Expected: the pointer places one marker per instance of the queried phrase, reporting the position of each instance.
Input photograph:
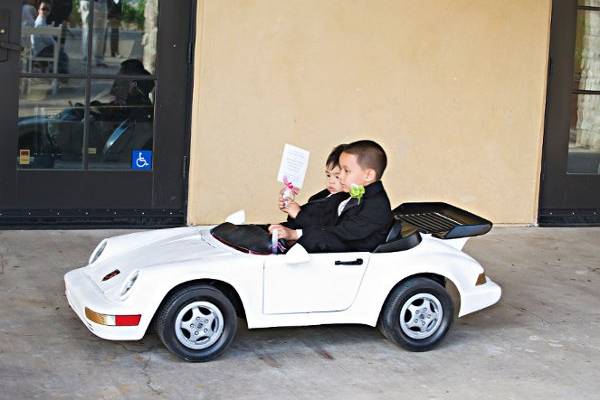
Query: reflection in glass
(50, 126)
(584, 133)
(100, 10)
(586, 71)
(51, 37)
(56, 35)
(591, 3)
(122, 120)
(124, 29)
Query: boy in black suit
(364, 218)
(316, 211)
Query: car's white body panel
(296, 289)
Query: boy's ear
(370, 175)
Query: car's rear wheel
(417, 314)
(197, 323)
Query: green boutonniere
(357, 192)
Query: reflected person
(42, 44)
(100, 14)
(28, 13)
(128, 98)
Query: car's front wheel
(197, 323)
(417, 314)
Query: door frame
(565, 199)
(152, 207)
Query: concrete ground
(542, 341)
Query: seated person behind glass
(43, 45)
(362, 220)
(317, 210)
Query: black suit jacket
(316, 212)
(361, 226)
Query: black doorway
(570, 184)
(95, 112)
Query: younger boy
(364, 218)
(317, 210)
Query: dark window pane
(124, 30)
(50, 126)
(584, 135)
(121, 123)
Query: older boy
(364, 218)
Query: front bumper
(81, 292)
(479, 297)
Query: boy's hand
(292, 208)
(283, 232)
(282, 204)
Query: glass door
(570, 192)
(101, 128)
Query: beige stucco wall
(453, 89)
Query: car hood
(140, 251)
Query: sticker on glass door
(141, 159)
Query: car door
(321, 283)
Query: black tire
(205, 301)
(421, 331)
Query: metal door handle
(11, 46)
(358, 261)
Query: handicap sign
(141, 159)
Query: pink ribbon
(290, 186)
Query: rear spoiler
(441, 220)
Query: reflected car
(113, 132)
(193, 283)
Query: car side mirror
(237, 218)
(297, 255)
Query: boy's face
(352, 173)
(334, 185)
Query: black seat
(394, 232)
(400, 237)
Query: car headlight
(98, 251)
(129, 283)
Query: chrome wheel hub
(199, 325)
(421, 316)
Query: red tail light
(127, 320)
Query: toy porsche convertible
(193, 283)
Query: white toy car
(193, 283)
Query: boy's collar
(370, 190)
(373, 188)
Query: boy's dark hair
(333, 159)
(368, 155)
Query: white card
(294, 163)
